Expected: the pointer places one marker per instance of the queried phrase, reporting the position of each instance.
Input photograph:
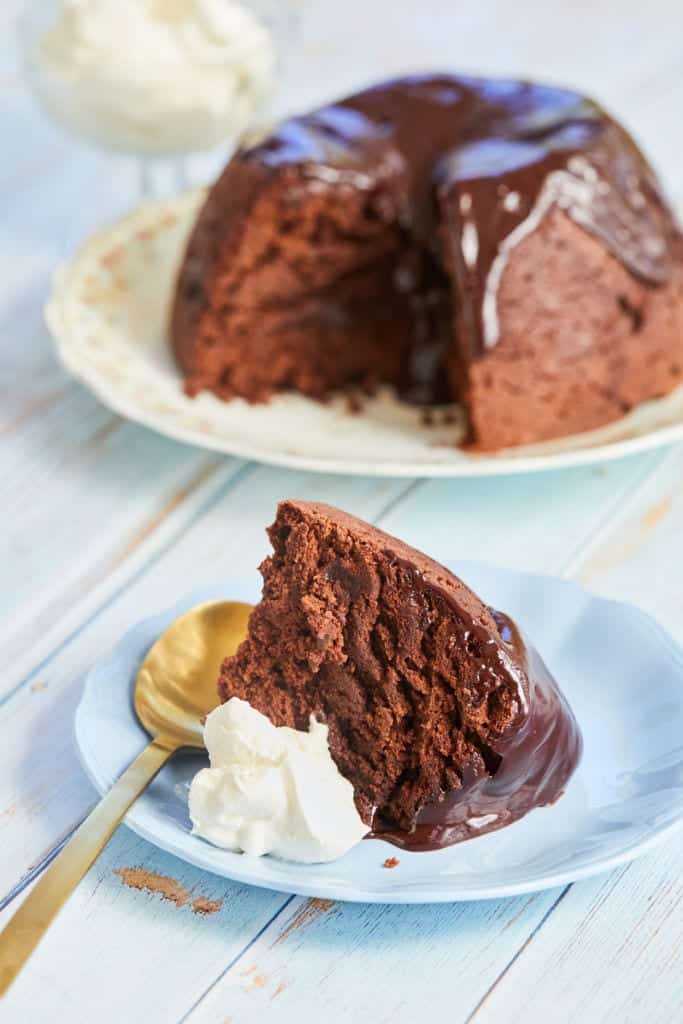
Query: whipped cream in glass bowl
(155, 78)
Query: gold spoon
(174, 689)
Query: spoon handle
(25, 930)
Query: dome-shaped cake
(499, 243)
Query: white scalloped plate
(623, 677)
(108, 314)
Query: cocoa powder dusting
(203, 906)
(168, 888)
(149, 881)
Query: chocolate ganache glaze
(435, 234)
(527, 766)
(493, 156)
(446, 724)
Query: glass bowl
(153, 100)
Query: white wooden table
(104, 523)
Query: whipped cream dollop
(156, 76)
(272, 789)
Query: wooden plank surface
(104, 523)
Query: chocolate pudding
(447, 724)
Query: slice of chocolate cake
(444, 721)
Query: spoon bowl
(175, 686)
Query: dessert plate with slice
(621, 675)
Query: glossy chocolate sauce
(529, 764)
(532, 746)
(484, 160)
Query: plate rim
(507, 463)
(324, 890)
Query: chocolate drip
(526, 767)
(495, 192)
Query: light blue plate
(622, 675)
